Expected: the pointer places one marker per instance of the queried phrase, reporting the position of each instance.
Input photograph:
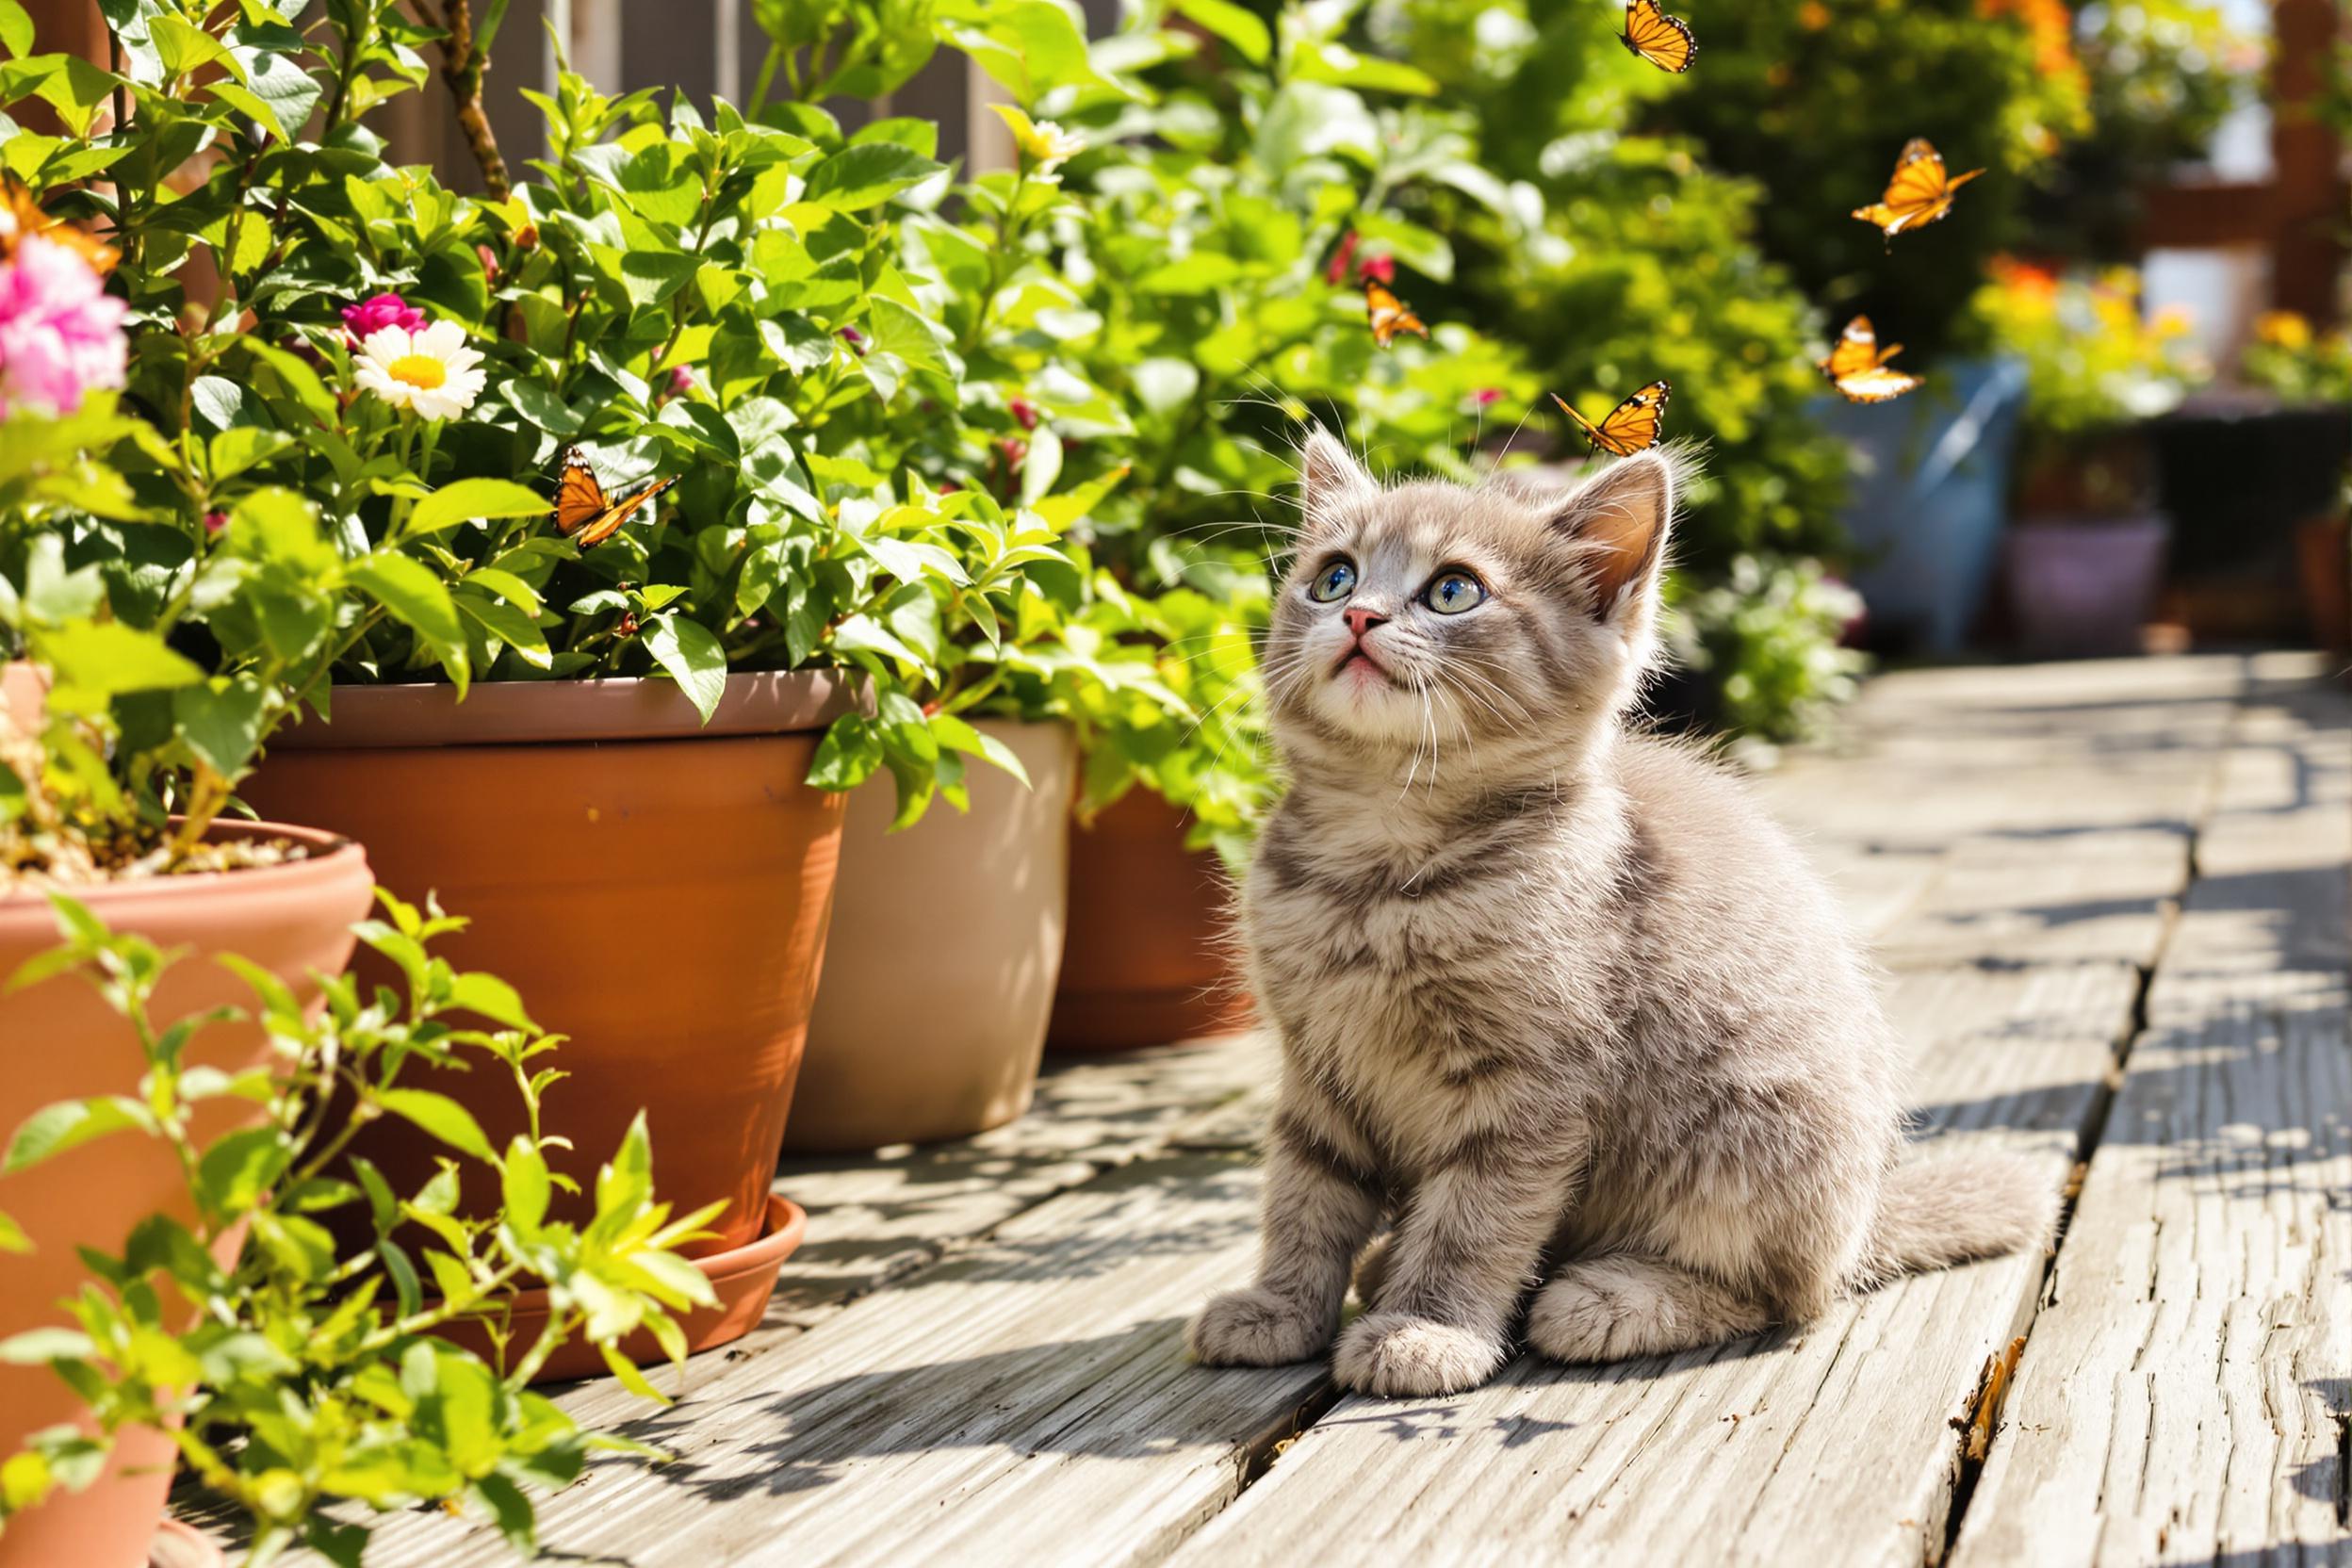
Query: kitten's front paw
(1255, 1328)
(1406, 1357)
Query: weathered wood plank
(2183, 1398)
(1830, 1445)
(1027, 1401)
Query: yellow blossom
(2284, 328)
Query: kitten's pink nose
(1362, 618)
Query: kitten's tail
(1935, 1212)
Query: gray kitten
(1551, 992)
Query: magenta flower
(856, 339)
(682, 381)
(1336, 273)
(215, 523)
(1487, 397)
(60, 331)
(370, 316)
(1383, 268)
(1024, 413)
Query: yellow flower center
(422, 371)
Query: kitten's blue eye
(1452, 592)
(1334, 581)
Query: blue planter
(1930, 496)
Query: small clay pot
(1148, 960)
(743, 1278)
(657, 890)
(940, 972)
(59, 1041)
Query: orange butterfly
(1663, 41)
(1390, 315)
(1633, 426)
(1918, 193)
(1857, 366)
(583, 513)
(20, 214)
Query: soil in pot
(656, 890)
(59, 1041)
(939, 971)
(1149, 959)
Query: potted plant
(2085, 551)
(2309, 373)
(598, 720)
(208, 1321)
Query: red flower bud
(1024, 413)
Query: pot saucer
(743, 1277)
(183, 1546)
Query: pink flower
(1336, 273)
(682, 381)
(370, 316)
(1024, 413)
(60, 331)
(1383, 268)
(1487, 397)
(856, 339)
(215, 523)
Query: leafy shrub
(1815, 99)
(287, 1377)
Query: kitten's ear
(1619, 523)
(1330, 480)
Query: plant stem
(461, 65)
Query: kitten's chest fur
(1422, 962)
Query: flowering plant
(335, 463)
(2094, 359)
(2299, 364)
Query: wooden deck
(2112, 899)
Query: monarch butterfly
(1857, 366)
(1390, 315)
(1918, 193)
(20, 214)
(1631, 427)
(1663, 41)
(583, 513)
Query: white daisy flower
(432, 371)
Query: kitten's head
(1509, 621)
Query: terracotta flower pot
(656, 890)
(940, 972)
(1148, 960)
(59, 1041)
(2323, 550)
(24, 695)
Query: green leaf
(12, 1236)
(444, 1118)
(70, 1123)
(493, 998)
(471, 499)
(222, 726)
(688, 650)
(849, 754)
(1235, 25)
(953, 732)
(525, 1186)
(866, 175)
(236, 1171)
(105, 658)
(16, 29)
(415, 596)
(38, 1347)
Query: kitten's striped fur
(1558, 1004)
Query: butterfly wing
(1631, 427)
(1663, 41)
(1857, 351)
(603, 528)
(20, 215)
(1635, 425)
(579, 495)
(1875, 384)
(1918, 193)
(1389, 314)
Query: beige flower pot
(947, 939)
